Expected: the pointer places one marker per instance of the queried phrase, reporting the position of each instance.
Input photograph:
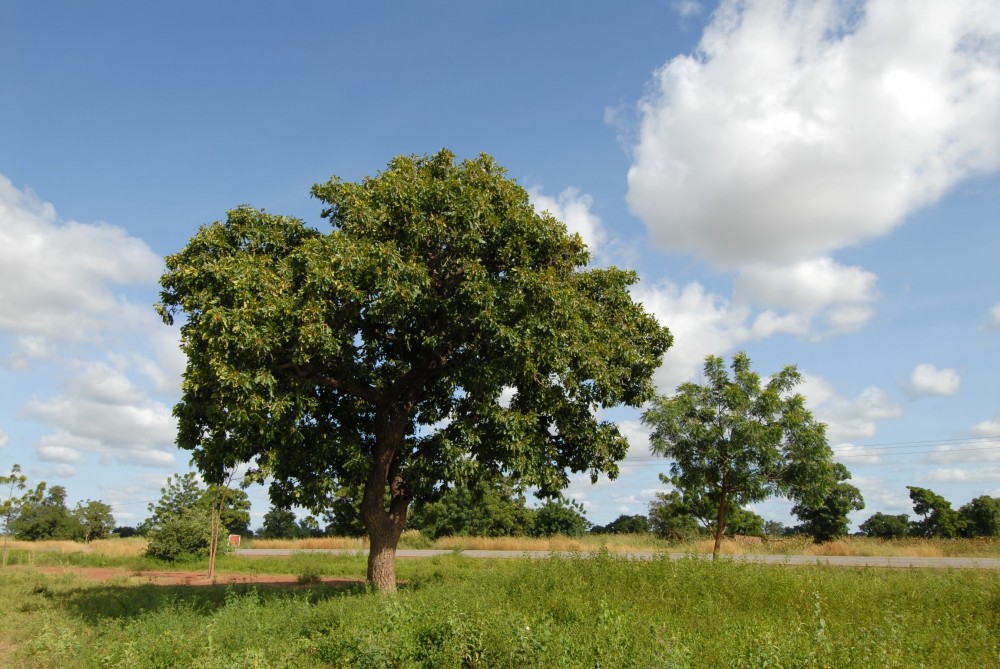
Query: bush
(185, 536)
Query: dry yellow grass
(304, 544)
(109, 547)
(879, 548)
(512, 543)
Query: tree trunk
(382, 559)
(385, 526)
(720, 526)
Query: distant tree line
(40, 513)
(488, 507)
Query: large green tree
(375, 355)
(828, 519)
(981, 516)
(43, 515)
(736, 440)
(95, 518)
(884, 526)
(939, 519)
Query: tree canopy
(828, 519)
(737, 441)
(884, 526)
(939, 519)
(375, 356)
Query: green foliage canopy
(375, 355)
(939, 519)
(884, 526)
(624, 524)
(486, 507)
(560, 517)
(95, 518)
(737, 441)
(42, 515)
(981, 517)
(828, 520)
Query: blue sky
(813, 182)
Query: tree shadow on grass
(99, 603)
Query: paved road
(833, 560)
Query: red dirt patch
(196, 578)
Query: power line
(866, 454)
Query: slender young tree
(9, 507)
(737, 441)
(374, 356)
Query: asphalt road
(832, 560)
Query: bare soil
(194, 578)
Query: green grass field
(593, 611)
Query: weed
(309, 576)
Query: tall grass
(107, 547)
(635, 543)
(616, 543)
(567, 612)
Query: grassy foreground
(595, 611)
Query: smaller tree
(744, 522)
(188, 535)
(342, 515)
(828, 520)
(939, 519)
(981, 517)
(485, 507)
(280, 523)
(42, 515)
(735, 441)
(671, 517)
(624, 524)
(884, 526)
(9, 507)
(187, 516)
(95, 518)
(560, 517)
(774, 528)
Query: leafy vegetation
(591, 611)
(181, 524)
(332, 360)
(827, 519)
(736, 441)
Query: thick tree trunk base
(382, 564)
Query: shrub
(186, 536)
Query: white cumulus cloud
(987, 428)
(58, 279)
(105, 412)
(798, 128)
(701, 322)
(847, 418)
(927, 379)
(957, 475)
(820, 288)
